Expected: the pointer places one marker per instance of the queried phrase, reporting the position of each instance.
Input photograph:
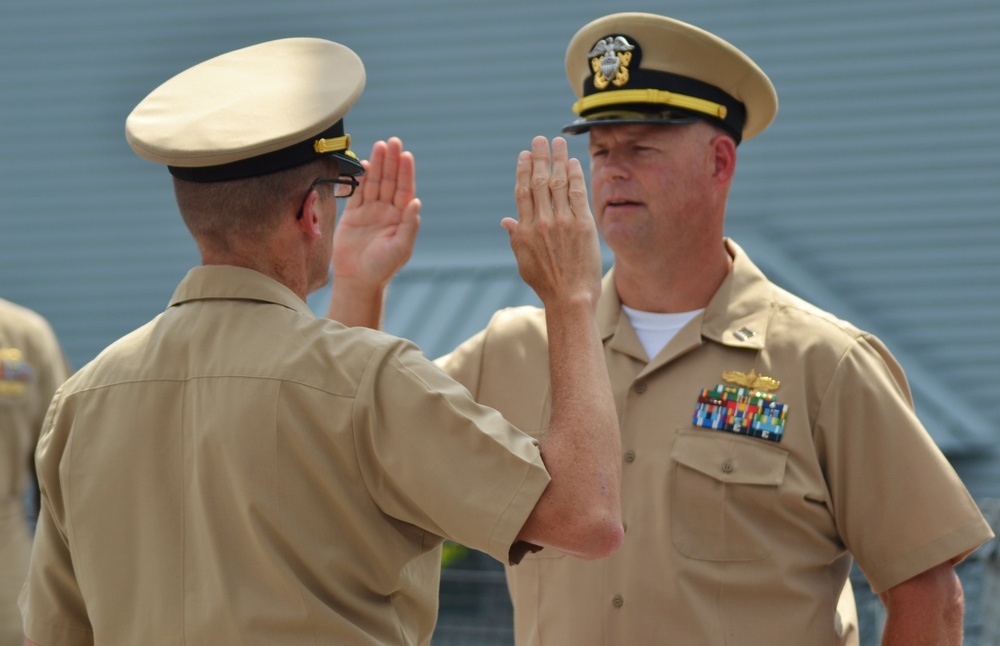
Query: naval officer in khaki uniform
(32, 366)
(238, 471)
(766, 443)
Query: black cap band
(278, 160)
(732, 118)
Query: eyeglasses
(343, 187)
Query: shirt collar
(235, 283)
(739, 311)
(736, 316)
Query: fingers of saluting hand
(541, 174)
(405, 188)
(541, 183)
(554, 238)
(374, 167)
(579, 204)
(375, 172)
(389, 174)
(542, 188)
(558, 182)
(384, 181)
(523, 197)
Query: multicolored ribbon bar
(741, 410)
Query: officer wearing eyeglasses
(238, 471)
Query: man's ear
(311, 222)
(724, 149)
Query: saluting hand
(378, 228)
(554, 237)
(375, 235)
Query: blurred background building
(874, 194)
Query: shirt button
(640, 387)
(617, 601)
(727, 466)
(630, 456)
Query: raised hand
(554, 237)
(378, 227)
(375, 234)
(555, 241)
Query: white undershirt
(655, 329)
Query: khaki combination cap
(253, 111)
(643, 68)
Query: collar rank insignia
(609, 59)
(746, 408)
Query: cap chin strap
(619, 97)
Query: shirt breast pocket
(723, 493)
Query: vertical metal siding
(875, 193)
(878, 180)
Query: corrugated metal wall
(875, 191)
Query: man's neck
(672, 284)
(271, 264)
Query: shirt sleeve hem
(952, 547)
(509, 524)
(45, 633)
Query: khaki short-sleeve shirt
(734, 539)
(32, 366)
(238, 471)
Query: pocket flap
(732, 460)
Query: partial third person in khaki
(32, 366)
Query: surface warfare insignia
(751, 380)
(747, 408)
(609, 59)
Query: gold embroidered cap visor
(643, 68)
(253, 111)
